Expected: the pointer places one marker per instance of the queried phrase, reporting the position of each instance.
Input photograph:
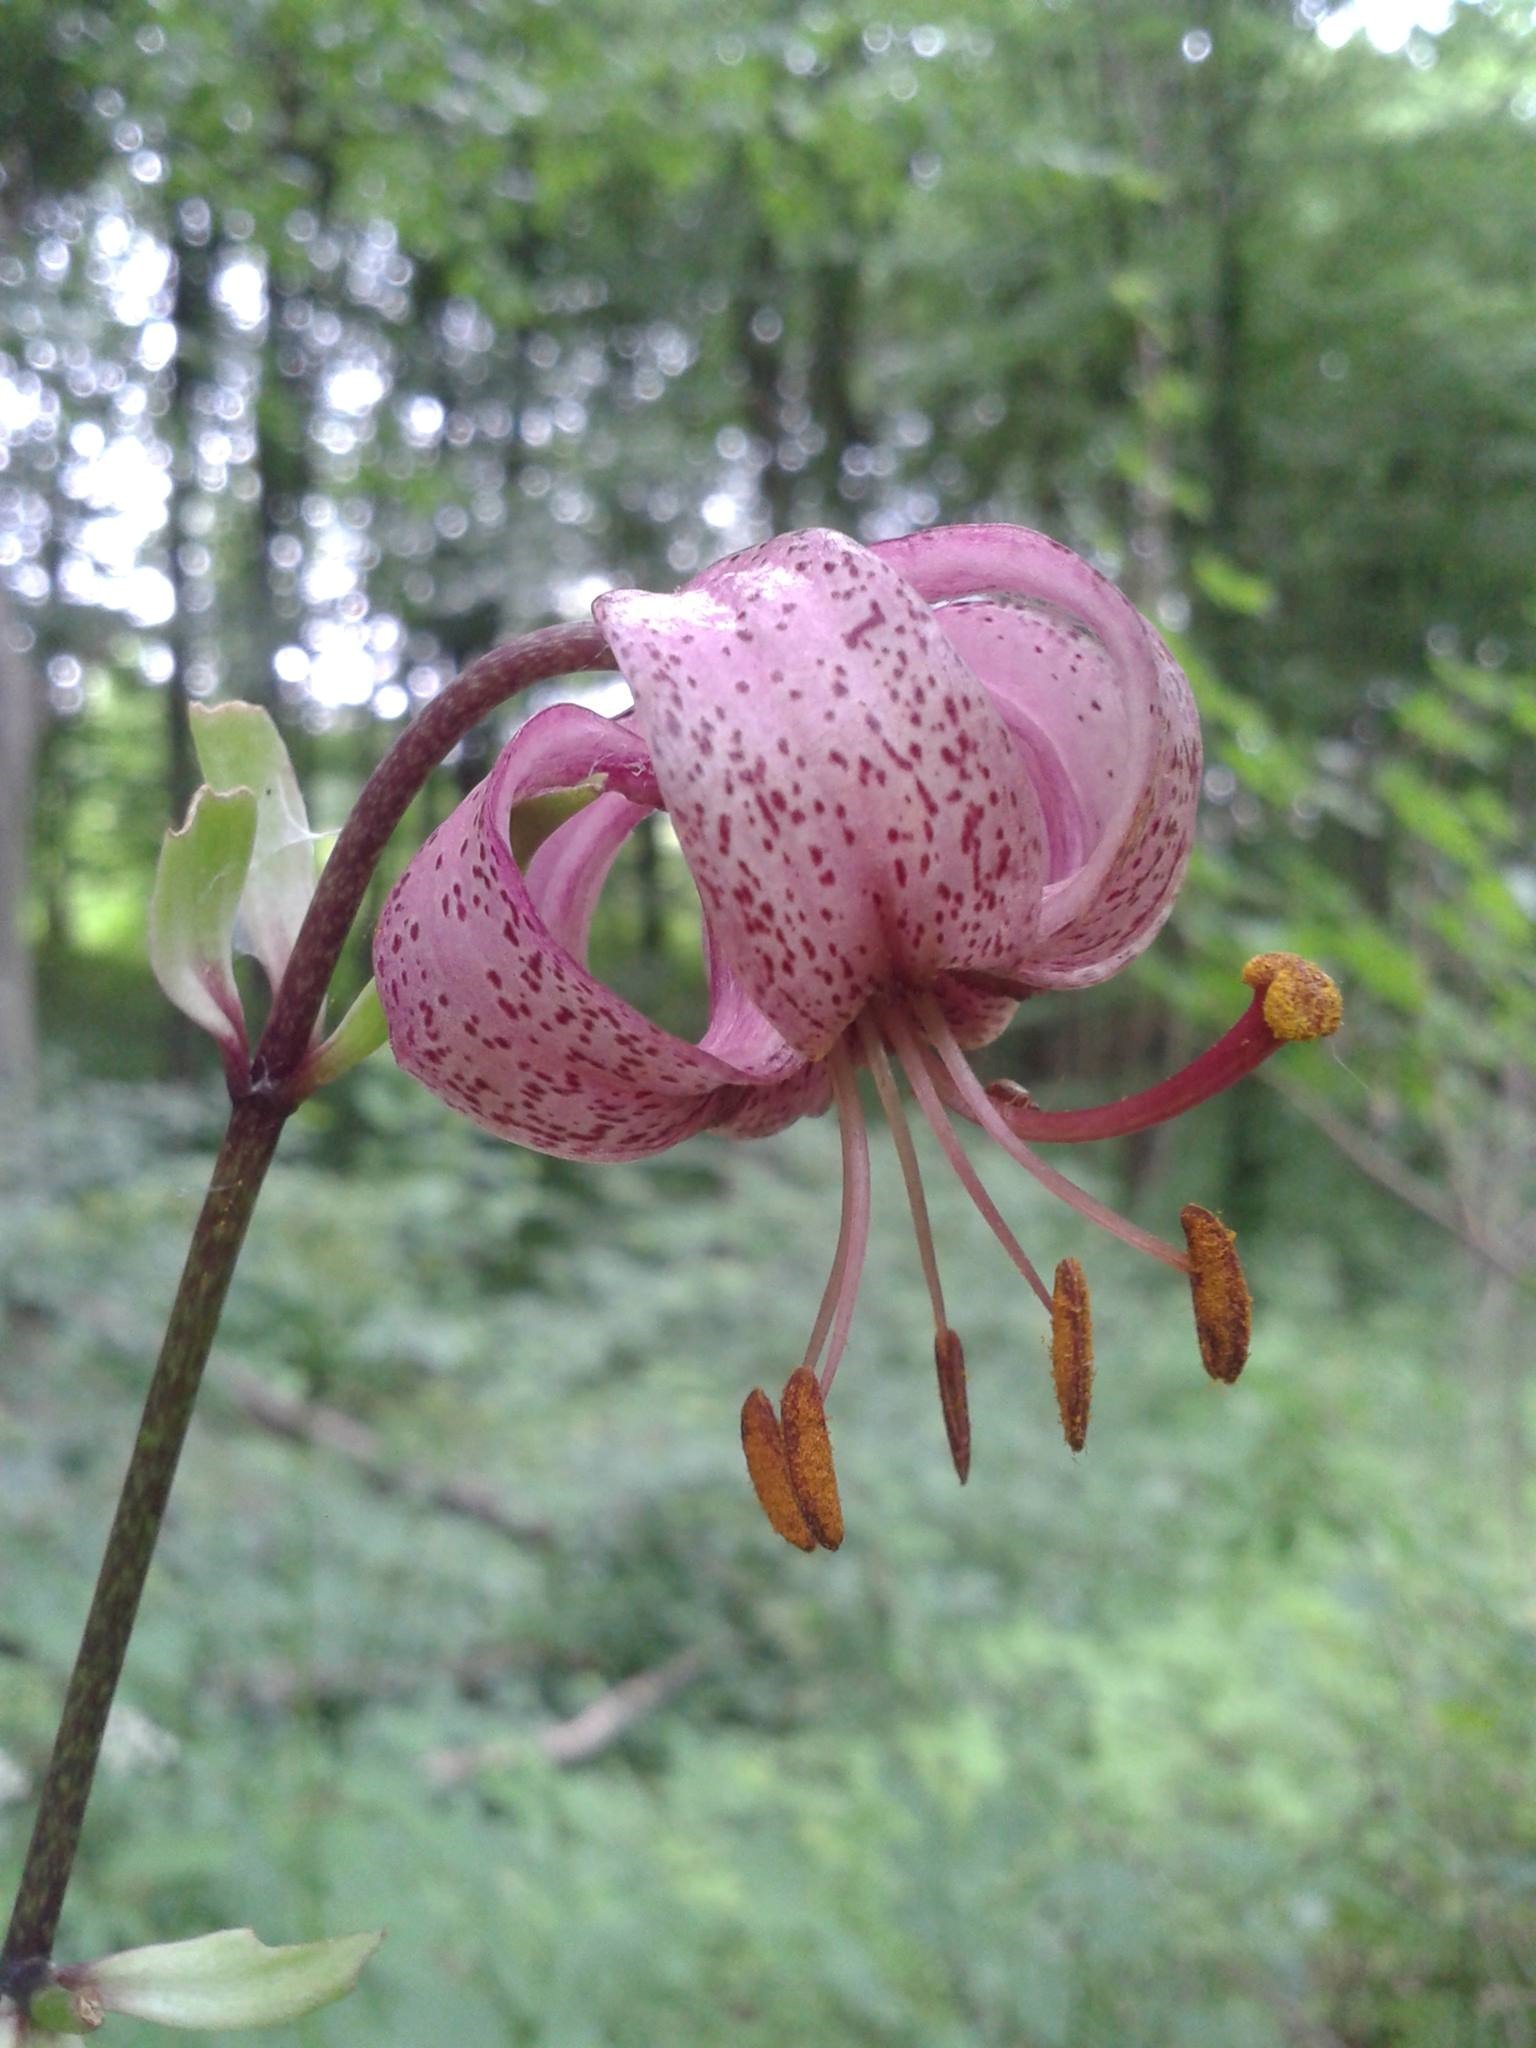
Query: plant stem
(255, 1125)
(238, 1172)
(385, 799)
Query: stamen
(1223, 1305)
(949, 1357)
(1293, 1000)
(1072, 1351)
(808, 1456)
(927, 1099)
(977, 1104)
(842, 1289)
(911, 1173)
(763, 1442)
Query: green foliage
(1219, 1733)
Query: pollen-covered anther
(949, 1358)
(808, 1457)
(1072, 1351)
(1300, 1001)
(763, 1442)
(1223, 1305)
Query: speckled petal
(565, 879)
(566, 874)
(845, 792)
(1119, 784)
(502, 1020)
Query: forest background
(336, 342)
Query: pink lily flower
(915, 783)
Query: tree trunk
(20, 722)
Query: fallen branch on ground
(331, 1429)
(584, 1736)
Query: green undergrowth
(1219, 1735)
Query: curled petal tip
(763, 1442)
(1072, 1351)
(808, 1457)
(1300, 1001)
(949, 1358)
(1223, 1305)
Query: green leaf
(1431, 814)
(239, 747)
(192, 910)
(230, 1979)
(1231, 588)
(362, 1031)
(1446, 730)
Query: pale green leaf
(230, 1979)
(192, 910)
(239, 747)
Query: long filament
(927, 1098)
(911, 1173)
(980, 1106)
(842, 1288)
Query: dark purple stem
(387, 795)
(255, 1125)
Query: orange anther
(1300, 1001)
(1223, 1305)
(949, 1357)
(1072, 1351)
(768, 1468)
(808, 1455)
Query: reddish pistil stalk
(1293, 1002)
(1235, 1054)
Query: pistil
(1293, 1002)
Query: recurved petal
(844, 790)
(565, 879)
(1103, 717)
(495, 1011)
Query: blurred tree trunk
(835, 295)
(190, 315)
(20, 723)
(759, 330)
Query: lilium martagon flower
(915, 783)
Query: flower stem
(241, 1166)
(255, 1125)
